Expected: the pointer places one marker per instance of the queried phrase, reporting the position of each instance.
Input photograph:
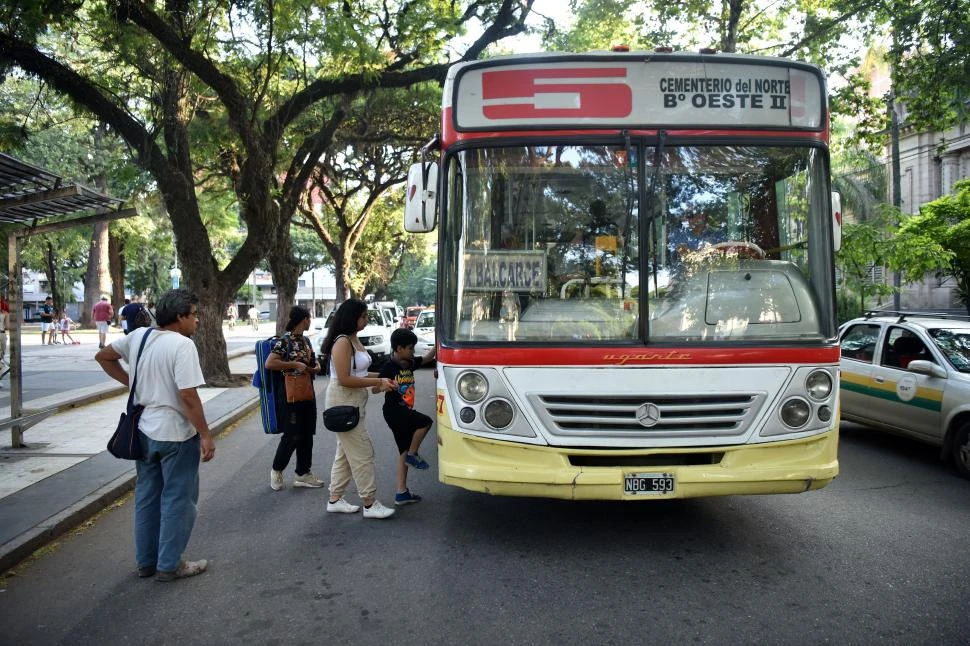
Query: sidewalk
(65, 476)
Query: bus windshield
(637, 243)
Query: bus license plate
(648, 484)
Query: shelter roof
(29, 194)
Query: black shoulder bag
(125, 443)
(342, 418)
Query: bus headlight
(795, 412)
(819, 385)
(472, 386)
(498, 413)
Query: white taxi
(909, 374)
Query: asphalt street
(879, 556)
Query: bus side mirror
(421, 200)
(836, 221)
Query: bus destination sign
(499, 271)
(627, 93)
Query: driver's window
(902, 347)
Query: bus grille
(680, 416)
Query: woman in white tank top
(350, 380)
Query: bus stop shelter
(35, 201)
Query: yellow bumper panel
(510, 469)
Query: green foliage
(245, 295)
(384, 246)
(930, 55)
(860, 178)
(416, 282)
(938, 240)
(864, 247)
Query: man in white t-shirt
(173, 433)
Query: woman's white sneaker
(342, 507)
(377, 510)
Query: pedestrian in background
(349, 381)
(254, 318)
(47, 322)
(65, 324)
(232, 313)
(129, 315)
(102, 314)
(293, 354)
(173, 434)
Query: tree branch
(84, 92)
(223, 85)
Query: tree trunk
(730, 22)
(286, 274)
(116, 267)
(50, 267)
(341, 277)
(97, 280)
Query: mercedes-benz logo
(648, 415)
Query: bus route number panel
(648, 484)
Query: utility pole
(897, 184)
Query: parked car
(424, 325)
(393, 312)
(316, 331)
(375, 337)
(424, 344)
(411, 315)
(909, 374)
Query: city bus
(635, 289)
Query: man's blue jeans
(166, 494)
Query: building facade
(930, 163)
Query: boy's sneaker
(276, 480)
(406, 498)
(308, 480)
(416, 461)
(185, 570)
(342, 507)
(377, 510)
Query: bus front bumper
(512, 469)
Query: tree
(42, 128)
(938, 239)
(354, 182)
(189, 82)
(865, 246)
(930, 57)
(415, 284)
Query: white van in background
(393, 312)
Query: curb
(17, 549)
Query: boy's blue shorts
(403, 422)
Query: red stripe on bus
(523, 356)
(450, 136)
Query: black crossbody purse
(125, 443)
(342, 418)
